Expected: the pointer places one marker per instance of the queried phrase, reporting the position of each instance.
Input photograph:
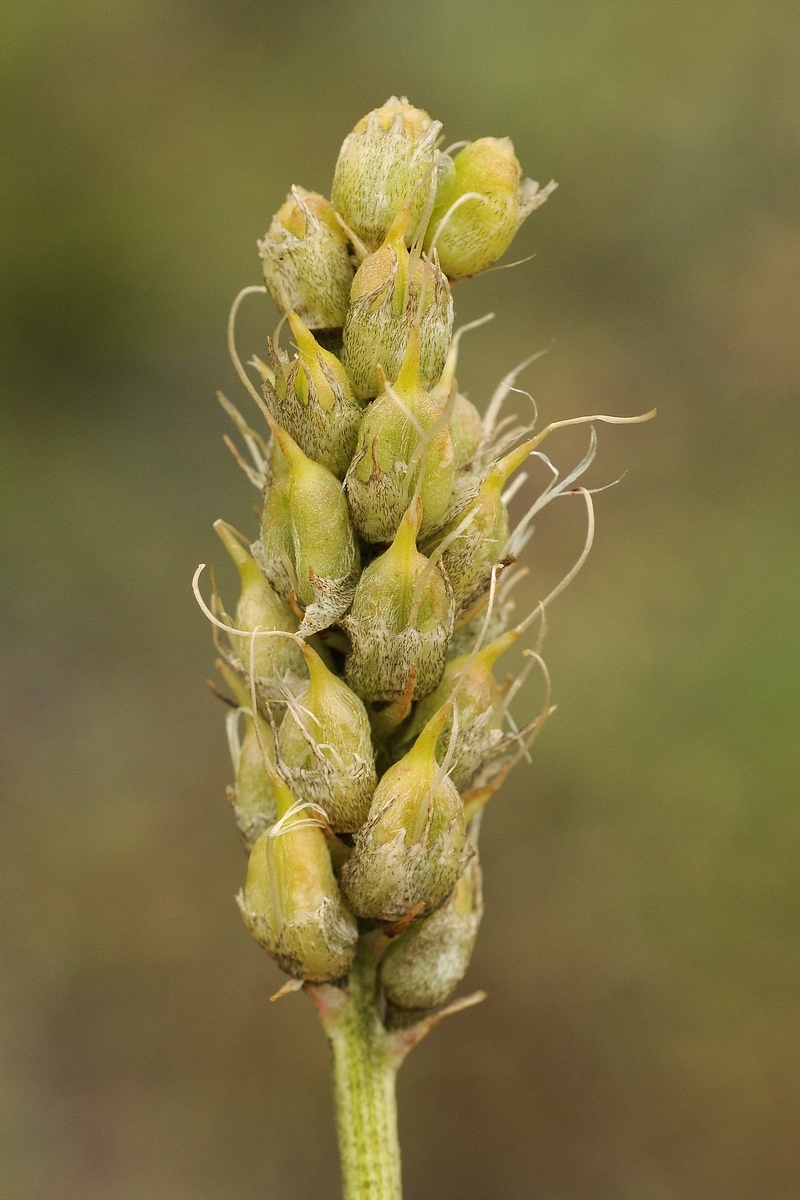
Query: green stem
(365, 1066)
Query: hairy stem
(365, 1064)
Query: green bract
(325, 748)
(394, 293)
(423, 965)
(403, 435)
(401, 620)
(312, 400)
(291, 901)
(413, 846)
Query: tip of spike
(306, 342)
(425, 744)
(489, 655)
(294, 456)
(232, 541)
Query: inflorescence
(366, 726)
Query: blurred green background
(640, 947)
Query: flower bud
(291, 901)
(323, 562)
(390, 455)
(306, 260)
(480, 229)
(480, 708)
(259, 607)
(325, 748)
(388, 155)
(402, 618)
(313, 402)
(274, 549)
(253, 798)
(421, 968)
(413, 846)
(471, 555)
(385, 306)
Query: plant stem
(365, 1066)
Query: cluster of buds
(376, 601)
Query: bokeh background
(640, 946)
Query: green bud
(382, 165)
(291, 902)
(275, 548)
(385, 306)
(480, 709)
(313, 401)
(306, 261)
(471, 555)
(421, 968)
(381, 480)
(401, 619)
(325, 748)
(323, 562)
(481, 229)
(259, 607)
(413, 846)
(253, 796)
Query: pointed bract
(413, 846)
(401, 620)
(422, 967)
(325, 748)
(392, 292)
(291, 902)
(260, 607)
(389, 457)
(312, 400)
(479, 704)
(322, 565)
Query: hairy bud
(385, 160)
(291, 901)
(481, 228)
(391, 453)
(479, 707)
(471, 555)
(313, 401)
(413, 846)
(388, 289)
(252, 796)
(323, 562)
(421, 968)
(259, 607)
(401, 619)
(275, 548)
(325, 748)
(306, 260)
